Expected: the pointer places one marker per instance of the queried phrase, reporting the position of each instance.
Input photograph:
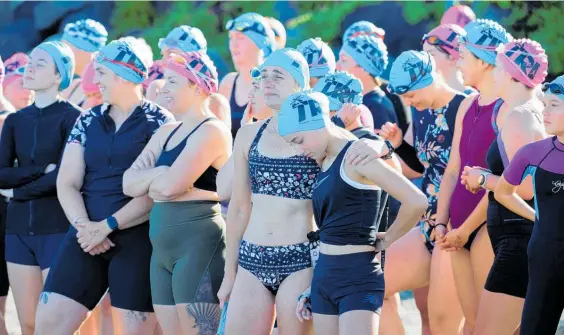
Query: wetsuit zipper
(472, 133)
(35, 130)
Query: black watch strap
(390, 150)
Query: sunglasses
(414, 78)
(243, 26)
(553, 88)
(130, 65)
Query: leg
(407, 263)
(326, 324)
(390, 321)
(129, 282)
(445, 314)
(75, 285)
(421, 301)
(251, 306)
(3, 330)
(163, 300)
(286, 302)
(27, 284)
(359, 322)
(481, 256)
(498, 313)
(100, 319)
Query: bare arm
(413, 201)
(450, 177)
(506, 194)
(205, 147)
(69, 182)
(226, 85)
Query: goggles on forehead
(359, 33)
(464, 41)
(553, 88)
(436, 41)
(413, 77)
(101, 58)
(243, 26)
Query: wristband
(390, 150)
(112, 223)
(338, 122)
(440, 224)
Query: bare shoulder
(227, 84)
(246, 135)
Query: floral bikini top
(290, 177)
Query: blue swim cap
(87, 35)
(555, 87)
(363, 28)
(120, 57)
(369, 52)
(184, 38)
(483, 37)
(303, 111)
(412, 70)
(319, 56)
(64, 60)
(257, 28)
(290, 60)
(340, 88)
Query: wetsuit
(544, 301)
(36, 224)
(124, 269)
(346, 214)
(236, 110)
(188, 240)
(477, 136)
(433, 130)
(509, 234)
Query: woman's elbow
(499, 196)
(419, 202)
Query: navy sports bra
(207, 180)
(290, 177)
(236, 110)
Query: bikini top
(290, 177)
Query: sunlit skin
(259, 109)
(553, 115)
(166, 52)
(17, 95)
(502, 79)
(41, 72)
(276, 84)
(243, 50)
(347, 64)
(178, 92)
(312, 143)
(471, 67)
(81, 58)
(110, 84)
(420, 99)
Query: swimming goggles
(414, 78)
(243, 26)
(553, 88)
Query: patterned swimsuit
(292, 177)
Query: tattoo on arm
(206, 317)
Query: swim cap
(369, 52)
(525, 60)
(363, 28)
(155, 73)
(87, 35)
(14, 67)
(142, 49)
(255, 27)
(340, 88)
(412, 70)
(556, 87)
(196, 67)
(87, 83)
(458, 14)
(64, 60)
(290, 60)
(483, 37)
(446, 37)
(2, 71)
(278, 30)
(303, 111)
(319, 56)
(185, 39)
(120, 57)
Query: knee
(440, 322)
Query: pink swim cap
(525, 60)
(446, 37)
(459, 14)
(197, 67)
(155, 72)
(14, 67)
(87, 83)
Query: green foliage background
(535, 20)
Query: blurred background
(24, 24)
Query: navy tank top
(236, 110)
(290, 177)
(207, 180)
(346, 212)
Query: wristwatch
(482, 180)
(112, 223)
(390, 150)
(338, 122)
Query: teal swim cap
(412, 70)
(64, 60)
(120, 57)
(303, 111)
(340, 88)
(483, 37)
(290, 60)
(369, 52)
(319, 56)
